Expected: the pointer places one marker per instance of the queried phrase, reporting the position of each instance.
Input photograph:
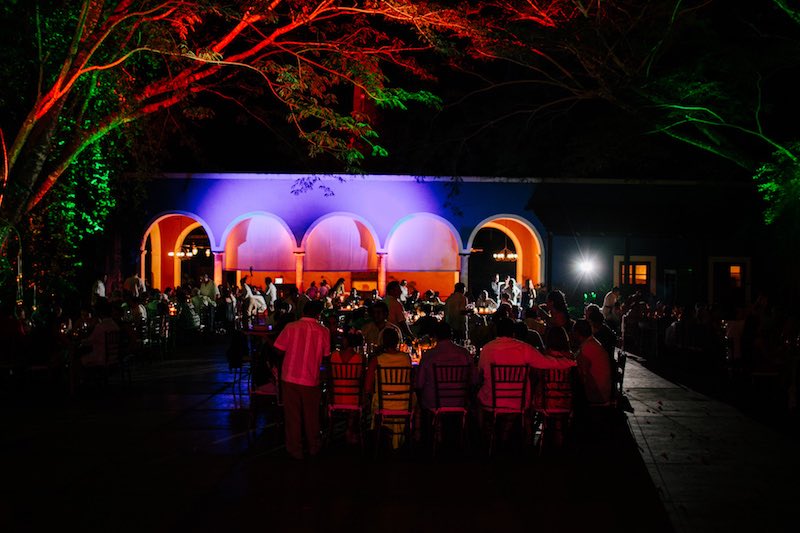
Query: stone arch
(424, 248)
(341, 245)
(166, 233)
(260, 242)
(527, 243)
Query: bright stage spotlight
(586, 267)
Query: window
(735, 272)
(635, 273)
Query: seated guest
(95, 343)
(505, 350)
(554, 311)
(484, 301)
(390, 356)
(374, 296)
(209, 289)
(347, 354)
(373, 331)
(432, 298)
(557, 343)
(425, 325)
(533, 322)
(358, 318)
(138, 309)
(522, 333)
(444, 353)
(312, 291)
(354, 299)
(594, 368)
(200, 300)
(323, 290)
(412, 299)
(188, 317)
(600, 331)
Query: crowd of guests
(728, 344)
(383, 333)
(519, 323)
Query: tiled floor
(715, 468)
(172, 452)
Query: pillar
(381, 272)
(219, 263)
(464, 264)
(142, 261)
(548, 271)
(298, 269)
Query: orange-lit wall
(436, 281)
(529, 248)
(169, 229)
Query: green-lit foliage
(77, 208)
(778, 182)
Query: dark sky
(590, 139)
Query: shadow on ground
(172, 452)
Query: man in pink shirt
(506, 350)
(304, 344)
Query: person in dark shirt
(600, 331)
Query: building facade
(370, 230)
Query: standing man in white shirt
(403, 292)
(99, 288)
(270, 293)
(497, 287)
(608, 302)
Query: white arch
(357, 218)
(406, 218)
(166, 214)
(253, 214)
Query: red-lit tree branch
(101, 80)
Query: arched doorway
(168, 250)
(341, 245)
(424, 250)
(498, 232)
(483, 266)
(195, 256)
(259, 245)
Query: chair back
(451, 385)
(555, 390)
(510, 386)
(394, 388)
(112, 341)
(346, 383)
(207, 316)
(619, 371)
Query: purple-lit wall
(415, 224)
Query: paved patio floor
(172, 452)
